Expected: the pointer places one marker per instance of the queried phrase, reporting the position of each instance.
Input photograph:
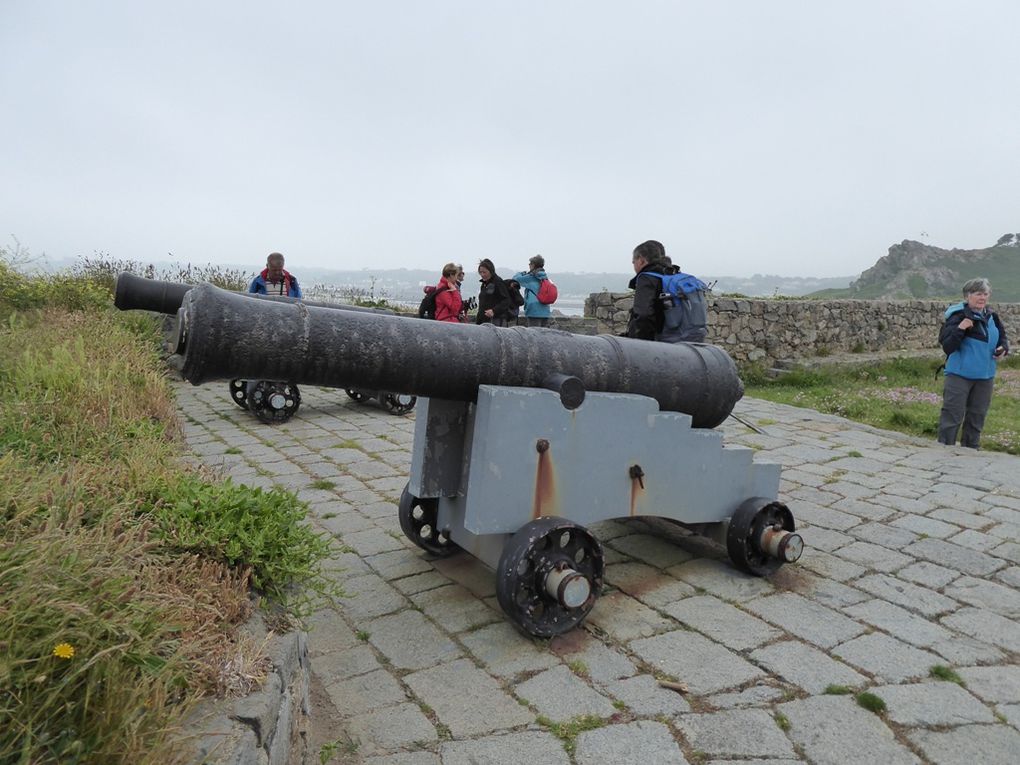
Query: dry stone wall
(762, 330)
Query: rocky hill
(916, 270)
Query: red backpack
(547, 292)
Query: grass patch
(124, 574)
(322, 483)
(362, 635)
(900, 394)
(942, 672)
(782, 721)
(233, 450)
(871, 702)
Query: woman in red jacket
(448, 301)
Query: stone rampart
(763, 330)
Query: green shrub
(241, 526)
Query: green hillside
(912, 270)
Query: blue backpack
(686, 309)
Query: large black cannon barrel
(135, 292)
(222, 335)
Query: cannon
(524, 437)
(270, 401)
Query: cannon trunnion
(524, 438)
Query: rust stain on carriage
(545, 502)
(637, 487)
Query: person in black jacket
(493, 296)
(646, 315)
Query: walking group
(499, 301)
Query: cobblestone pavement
(912, 563)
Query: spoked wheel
(399, 403)
(760, 537)
(239, 392)
(549, 576)
(356, 395)
(419, 519)
(274, 401)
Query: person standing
(536, 312)
(974, 340)
(493, 296)
(448, 300)
(646, 314)
(275, 280)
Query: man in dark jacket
(275, 280)
(646, 315)
(974, 341)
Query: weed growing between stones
(838, 690)
(782, 721)
(568, 731)
(871, 702)
(578, 667)
(943, 672)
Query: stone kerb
(264, 727)
(760, 329)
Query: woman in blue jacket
(537, 313)
(974, 341)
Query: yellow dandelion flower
(63, 651)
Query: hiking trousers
(964, 401)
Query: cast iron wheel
(745, 530)
(356, 395)
(274, 402)
(239, 392)
(538, 549)
(399, 403)
(418, 518)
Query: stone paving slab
(736, 733)
(912, 561)
(648, 743)
(466, 699)
(833, 730)
(560, 695)
(932, 704)
(969, 745)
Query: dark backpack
(686, 308)
(427, 306)
(516, 298)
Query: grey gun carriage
(524, 437)
(272, 401)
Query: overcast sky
(793, 138)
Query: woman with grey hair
(974, 341)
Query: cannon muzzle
(222, 335)
(137, 293)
